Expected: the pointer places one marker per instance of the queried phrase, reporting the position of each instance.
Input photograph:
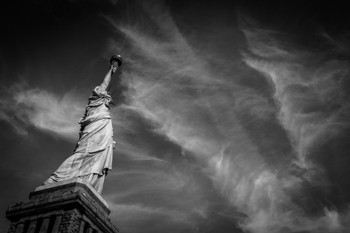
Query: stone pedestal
(65, 207)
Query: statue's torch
(116, 59)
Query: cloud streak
(256, 144)
(310, 90)
(204, 111)
(23, 107)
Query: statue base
(62, 207)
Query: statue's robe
(92, 157)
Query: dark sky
(229, 116)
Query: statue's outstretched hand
(114, 67)
(116, 61)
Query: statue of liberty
(93, 155)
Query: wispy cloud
(150, 219)
(257, 144)
(309, 90)
(153, 191)
(203, 110)
(23, 106)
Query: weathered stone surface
(70, 206)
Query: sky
(229, 116)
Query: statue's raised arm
(116, 61)
(93, 155)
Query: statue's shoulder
(96, 92)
